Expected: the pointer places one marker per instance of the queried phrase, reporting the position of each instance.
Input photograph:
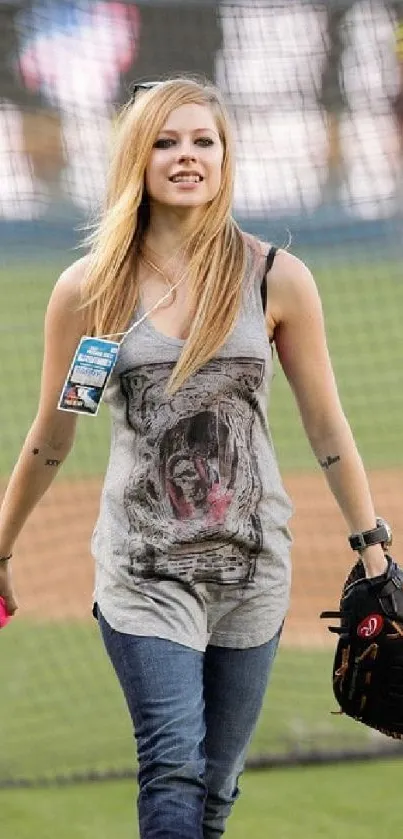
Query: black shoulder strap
(267, 266)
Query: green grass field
(355, 801)
(61, 710)
(60, 707)
(362, 302)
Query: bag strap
(267, 266)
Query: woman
(192, 547)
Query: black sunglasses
(143, 86)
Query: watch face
(382, 523)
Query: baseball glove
(368, 663)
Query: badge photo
(88, 376)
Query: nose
(186, 153)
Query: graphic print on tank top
(192, 498)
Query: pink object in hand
(4, 616)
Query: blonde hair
(215, 248)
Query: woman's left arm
(297, 324)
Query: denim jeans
(193, 715)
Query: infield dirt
(53, 568)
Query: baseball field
(357, 800)
(60, 710)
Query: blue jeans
(193, 715)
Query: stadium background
(315, 90)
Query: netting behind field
(315, 91)
(309, 84)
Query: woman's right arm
(51, 435)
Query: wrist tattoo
(329, 461)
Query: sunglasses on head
(143, 86)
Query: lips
(186, 177)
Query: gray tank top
(192, 541)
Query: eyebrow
(194, 131)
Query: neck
(169, 230)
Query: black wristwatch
(379, 535)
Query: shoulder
(65, 303)
(68, 286)
(291, 287)
(290, 283)
(287, 266)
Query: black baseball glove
(368, 663)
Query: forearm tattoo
(329, 461)
(50, 461)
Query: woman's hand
(6, 589)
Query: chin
(187, 203)
(190, 203)
(182, 202)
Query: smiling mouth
(186, 179)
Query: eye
(205, 141)
(164, 143)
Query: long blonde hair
(215, 249)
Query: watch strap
(379, 535)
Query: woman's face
(184, 169)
